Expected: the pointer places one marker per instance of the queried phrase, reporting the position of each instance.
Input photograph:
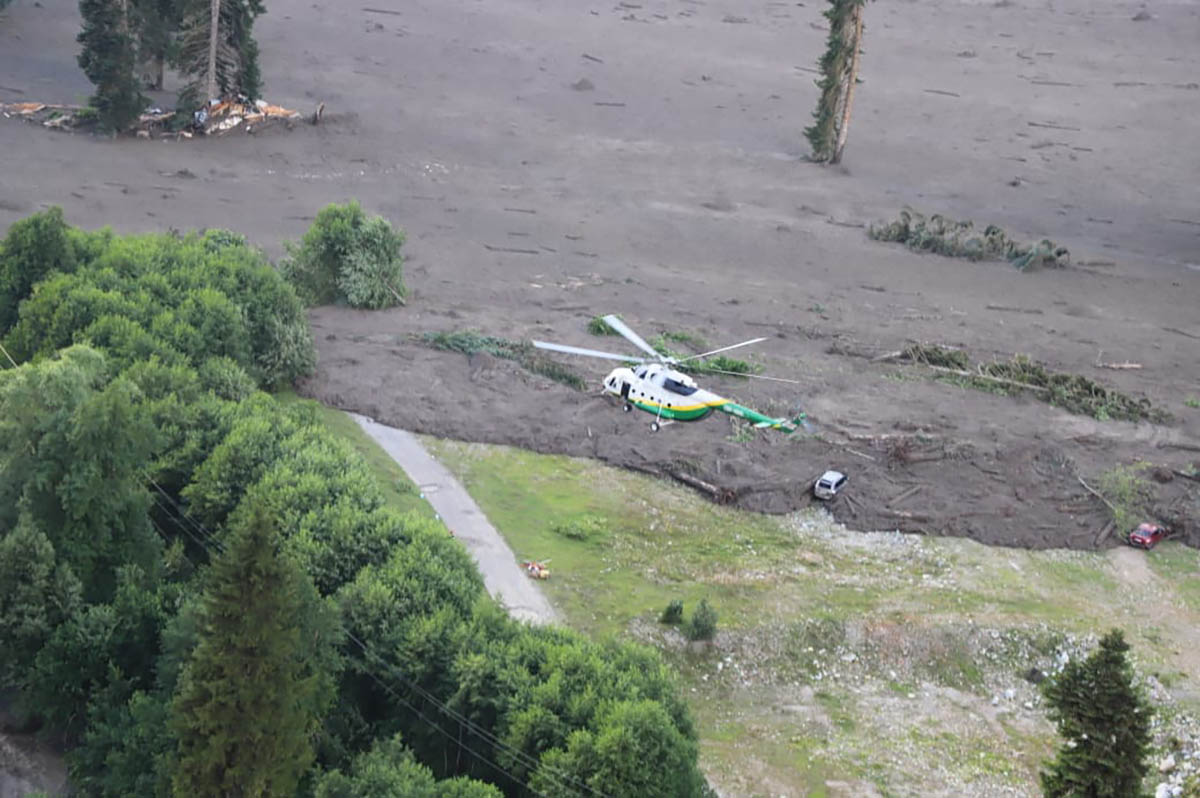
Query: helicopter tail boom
(788, 425)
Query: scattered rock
(1167, 765)
(1142, 16)
(583, 84)
(1034, 676)
(1161, 475)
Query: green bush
(598, 326)
(181, 300)
(346, 256)
(584, 528)
(703, 623)
(673, 614)
(33, 248)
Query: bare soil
(552, 161)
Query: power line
(520, 756)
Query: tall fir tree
(1105, 722)
(250, 698)
(217, 51)
(109, 58)
(157, 21)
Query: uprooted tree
(347, 256)
(839, 73)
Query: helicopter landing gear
(654, 426)
(627, 407)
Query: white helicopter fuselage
(663, 391)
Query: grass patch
(1179, 566)
(713, 365)
(523, 353)
(1192, 402)
(598, 326)
(690, 340)
(937, 626)
(398, 490)
(959, 239)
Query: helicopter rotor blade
(577, 350)
(722, 349)
(632, 337)
(753, 376)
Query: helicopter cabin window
(675, 386)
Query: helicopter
(657, 386)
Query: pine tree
(217, 50)
(109, 59)
(839, 70)
(1106, 724)
(250, 698)
(157, 21)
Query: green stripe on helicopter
(699, 411)
(683, 413)
(758, 419)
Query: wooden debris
(1096, 493)
(908, 494)
(1052, 126)
(1006, 308)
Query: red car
(1147, 535)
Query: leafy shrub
(673, 614)
(33, 248)
(1129, 495)
(584, 528)
(180, 299)
(346, 256)
(703, 623)
(598, 326)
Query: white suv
(829, 484)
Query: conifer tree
(252, 694)
(157, 22)
(1105, 722)
(839, 71)
(217, 50)
(109, 58)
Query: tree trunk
(160, 62)
(214, 29)
(852, 80)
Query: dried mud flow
(553, 161)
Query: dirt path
(501, 573)
(1132, 568)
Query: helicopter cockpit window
(674, 386)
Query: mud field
(553, 161)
